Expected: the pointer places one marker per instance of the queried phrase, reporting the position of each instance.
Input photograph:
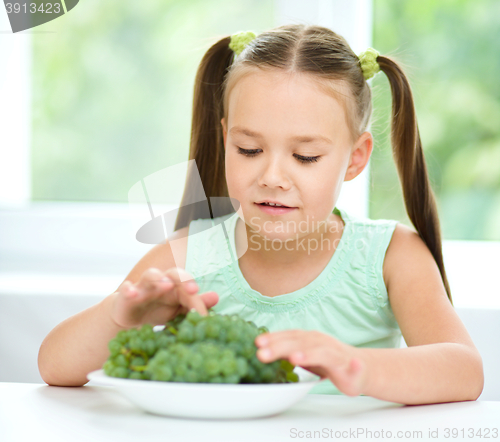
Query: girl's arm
(441, 363)
(79, 344)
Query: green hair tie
(368, 61)
(240, 40)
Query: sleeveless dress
(348, 300)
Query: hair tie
(368, 61)
(239, 40)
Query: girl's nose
(274, 175)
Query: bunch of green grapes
(194, 348)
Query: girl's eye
(253, 152)
(248, 152)
(307, 159)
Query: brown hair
(326, 56)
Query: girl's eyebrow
(297, 138)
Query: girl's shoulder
(407, 254)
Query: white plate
(210, 401)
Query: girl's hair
(328, 59)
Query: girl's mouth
(274, 210)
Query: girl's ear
(360, 155)
(224, 131)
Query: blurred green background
(113, 88)
(451, 51)
(112, 97)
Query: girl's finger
(303, 353)
(209, 298)
(127, 290)
(193, 301)
(279, 345)
(328, 358)
(130, 291)
(286, 335)
(153, 281)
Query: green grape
(194, 348)
(135, 344)
(200, 331)
(186, 333)
(211, 366)
(196, 360)
(133, 333)
(149, 346)
(233, 334)
(222, 335)
(108, 367)
(232, 379)
(248, 350)
(241, 367)
(161, 373)
(287, 365)
(228, 366)
(217, 380)
(120, 361)
(146, 332)
(194, 317)
(122, 336)
(137, 362)
(135, 375)
(164, 340)
(180, 369)
(114, 347)
(191, 376)
(267, 374)
(120, 372)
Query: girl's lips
(270, 210)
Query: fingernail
(262, 341)
(264, 353)
(166, 279)
(191, 285)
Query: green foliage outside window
(113, 87)
(452, 53)
(112, 97)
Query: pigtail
(418, 196)
(207, 142)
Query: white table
(36, 412)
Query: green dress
(348, 300)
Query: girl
(280, 119)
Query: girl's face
(287, 141)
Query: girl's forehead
(291, 99)
(279, 81)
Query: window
(113, 87)
(452, 59)
(101, 97)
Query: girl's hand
(319, 353)
(158, 297)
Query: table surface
(38, 412)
